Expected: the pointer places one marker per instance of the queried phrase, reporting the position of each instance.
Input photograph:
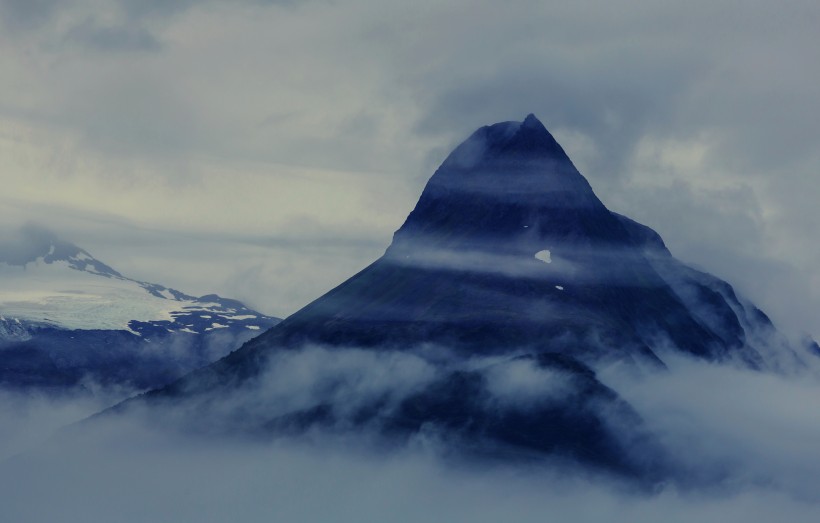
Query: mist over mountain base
(751, 446)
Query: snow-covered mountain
(61, 305)
(485, 324)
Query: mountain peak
(28, 243)
(532, 122)
(32, 242)
(509, 185)
(507, 142)
(535, 141)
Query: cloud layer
(749, 440)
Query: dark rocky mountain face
(509, 249)
(508, 259)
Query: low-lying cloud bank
(745, 427)
(748, 438)
(28, 419)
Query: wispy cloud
(747, 437)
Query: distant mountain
(484, 322)
(68, 318)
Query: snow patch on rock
(544, 256)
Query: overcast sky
(266, 150)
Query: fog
(748, 438)
(176, 481)
(30, 418)
(751, 427)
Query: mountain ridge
(60, 305)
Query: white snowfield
(57, 295)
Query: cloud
(25, 14)
(348, 381)
(751, 428)
(120, 38)
(161, 9)
(20, 246)
(33, 417)
(159, 478)
(749, 438)
(521, 382)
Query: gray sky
(266, 150)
